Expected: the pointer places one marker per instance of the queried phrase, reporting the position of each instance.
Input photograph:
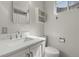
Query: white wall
(6, 17)
(66, 25)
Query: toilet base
(51, 52)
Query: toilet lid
(51, 50)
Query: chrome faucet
(18, 33)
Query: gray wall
(6, 14)
(66, 25)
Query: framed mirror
(73, 4)
(61, 6)
(21, 13)
(65, 5)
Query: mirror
(61, 6)
(73, 4)
(21, 12)
(66, 5)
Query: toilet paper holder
(62, 40)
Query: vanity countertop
(8, 46)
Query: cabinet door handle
(27, 54)
(31, 54)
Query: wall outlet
(4, 30)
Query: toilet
(50, 51)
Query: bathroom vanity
(21, 48)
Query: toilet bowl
(51, 52)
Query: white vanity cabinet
(35, 50)
(20, 53)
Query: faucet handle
(20, 34)
(16, 36)
(10, 37)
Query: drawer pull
(31, 54)
(27, 54)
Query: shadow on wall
(62, 54)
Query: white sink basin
(14, 42)
(18, 41)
